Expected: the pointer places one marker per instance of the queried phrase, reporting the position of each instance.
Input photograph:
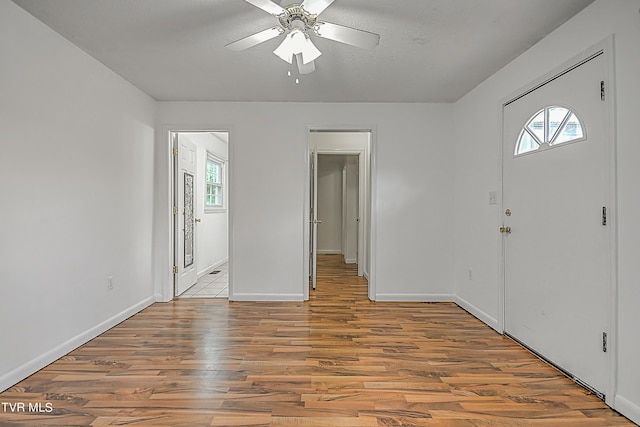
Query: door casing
(167, 290)
(366, 229)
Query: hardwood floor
(336, 360)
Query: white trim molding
(477, 313)
(627, 408)
(267, 297)
(415, 298)
(34, 365)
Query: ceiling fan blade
(268, 6)
(347, 35)
(307, 68)
(316, 7)
(255, 39)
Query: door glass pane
(571, 130)
(550, 126)
(536, 126)
(188, 219)
(556, 116)
(526, 143)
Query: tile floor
(210, 285)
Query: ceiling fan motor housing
(296, 18)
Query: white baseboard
(34, 365)
(329, 252)
(476, 312)
(211, 267)
(415, 297)
(350, 261)
(627, 408)
(265, 297)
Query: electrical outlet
(110, 283)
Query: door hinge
(602, 90)
(175, 210)
(175, 152)
(604, 342)
(604, 215)
(175, 269)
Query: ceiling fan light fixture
(285, 51)
(297, 42)
(297, 22)
(309, 52)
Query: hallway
(336, 360)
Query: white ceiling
(430, 50)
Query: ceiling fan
(297, 22)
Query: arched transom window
(549, 127)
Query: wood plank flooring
(336, 360)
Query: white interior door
(186, 274)
(557, 254)
(313, 218)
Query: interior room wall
(413, 188)
(330, 168)
(477, 135)
(212, 233)
(350, 210)
(76, 179)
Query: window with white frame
(214, 183)
(549, 127)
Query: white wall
(212, 233)
(76, 186)
(350, 208)
(413, 185)
(330, 203)
(477, 134)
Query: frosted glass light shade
(294, 43)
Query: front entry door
(556, 234)
(186, 274)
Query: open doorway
(338, 207)
(339, 203)
(201, 217)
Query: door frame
(370, 228)
(168, 286)
(606, 48)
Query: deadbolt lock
(506, 229)
(507, 212)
